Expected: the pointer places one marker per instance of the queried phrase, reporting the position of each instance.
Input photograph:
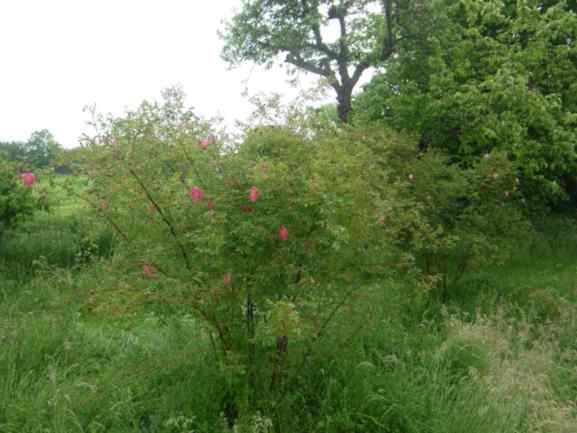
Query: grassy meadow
(78, 355)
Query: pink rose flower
(283, 233)
(205, 142)
(148, 270)
(253, 195)
(196, 194)
(28, 179)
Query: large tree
(37, 152)
(41, 148)
(364, 34)
(490, 74)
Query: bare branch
(343, 59)
(162, 216)
(315, 27)
(361, 67)
(319, 43)
(294, 58)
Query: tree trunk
(344, 99)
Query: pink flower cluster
(148, 270)
(196, 194)
(206, 142)
(28, 179)
(253, 194)
(283, 233)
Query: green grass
(498, 357)
(541, 272)
(65, 192)
(50, 239)
(67, 369)
(67, 375)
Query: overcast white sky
(58, 56)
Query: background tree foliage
(487, 75)
(37, 152)
(41, 149)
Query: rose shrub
(260, 240)
(17, 199)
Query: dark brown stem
(163, 217)
(278, 362)
(312, 345)
(107, 217)
(251, 350)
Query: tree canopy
(363, 34)
(490, 74)
(37, 152)
(41, 148)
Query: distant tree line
(39, 151)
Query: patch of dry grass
(520, 362)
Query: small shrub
(16, 198)
(452, 219)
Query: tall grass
(380, 369)
(66, 375)
(53, 240)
